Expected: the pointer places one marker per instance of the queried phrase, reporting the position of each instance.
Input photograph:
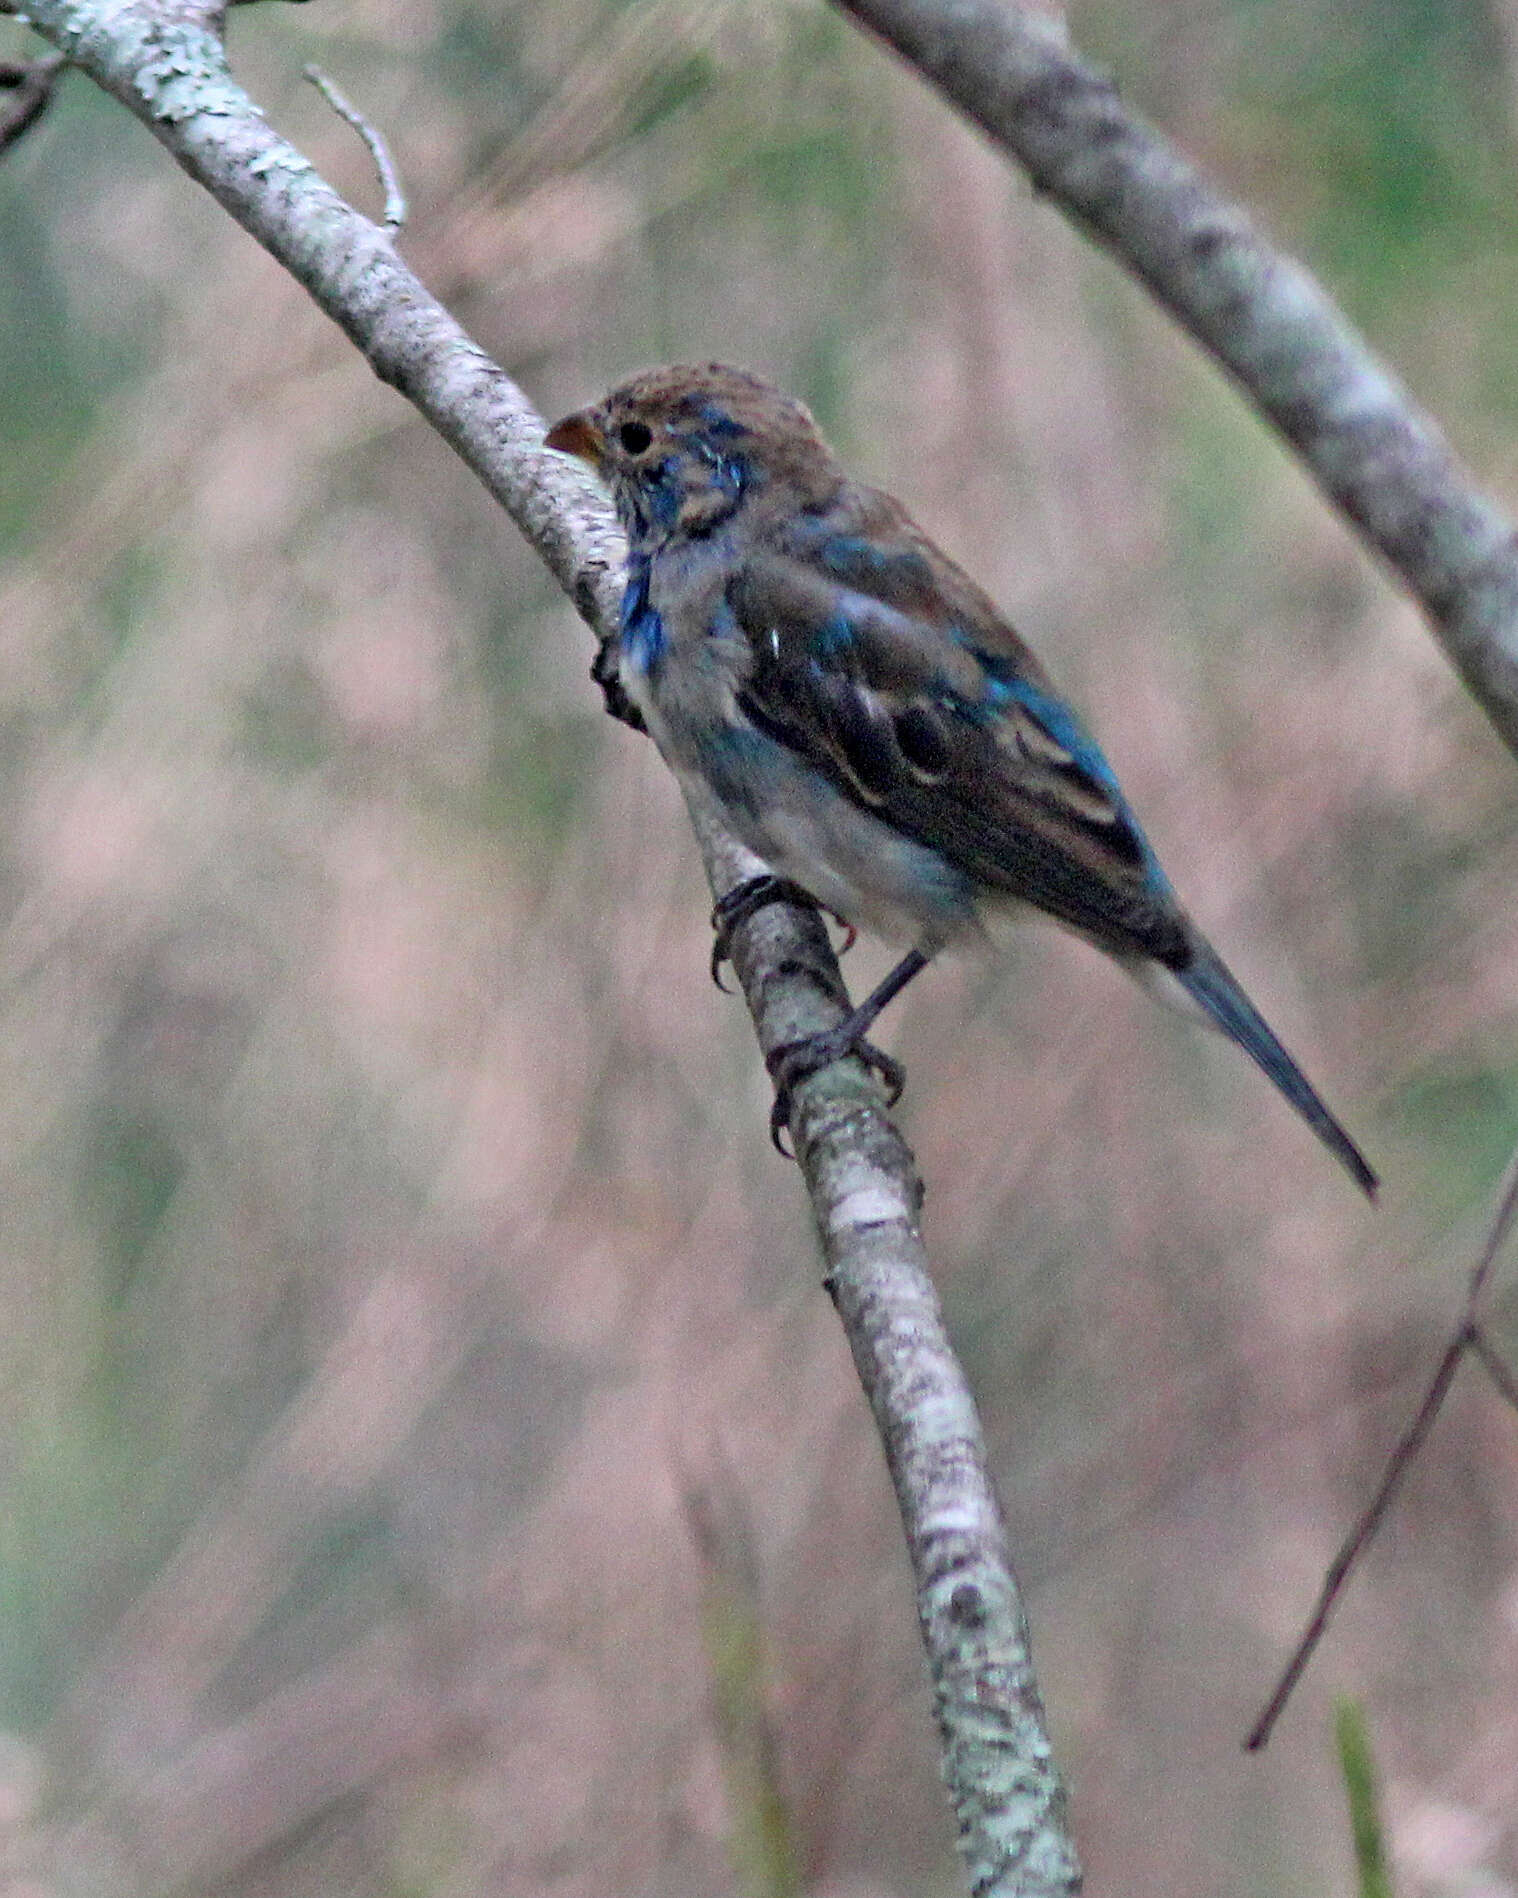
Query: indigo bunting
(865, 718)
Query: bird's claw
(794, 1061)
(741, 902)
(755, 893)
(605, 670)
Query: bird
(866, 719)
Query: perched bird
(866, 719)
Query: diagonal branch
(1467, 1336)
(1494, 1364)
(162, 61)
(1381, 461)
(1358, 1541)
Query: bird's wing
(892, 674)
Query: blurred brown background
(418, 1397)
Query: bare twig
(1382, 462)
(379, 151)
(1467, 1336)
(1482, 1349)
(26, 90)
(1338, 1573)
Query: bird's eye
(635, 437)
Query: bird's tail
(1207, 981)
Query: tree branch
(995, 1754)
(1382, 462)
(167, 67)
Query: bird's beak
(579, 434)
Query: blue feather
(642, 628)
(1207, 981)
(1063, 727)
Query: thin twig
(1495, 1366)
(1360, 1536)
(379, 151)
(30, 85)
(1467, 1336)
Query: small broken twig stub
(379, 151)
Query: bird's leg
(755, 893)
(791, 1063)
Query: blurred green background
(417, 1389)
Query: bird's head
(682, 449)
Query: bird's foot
(794, 1061)
(605, 670)
(756, 893)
